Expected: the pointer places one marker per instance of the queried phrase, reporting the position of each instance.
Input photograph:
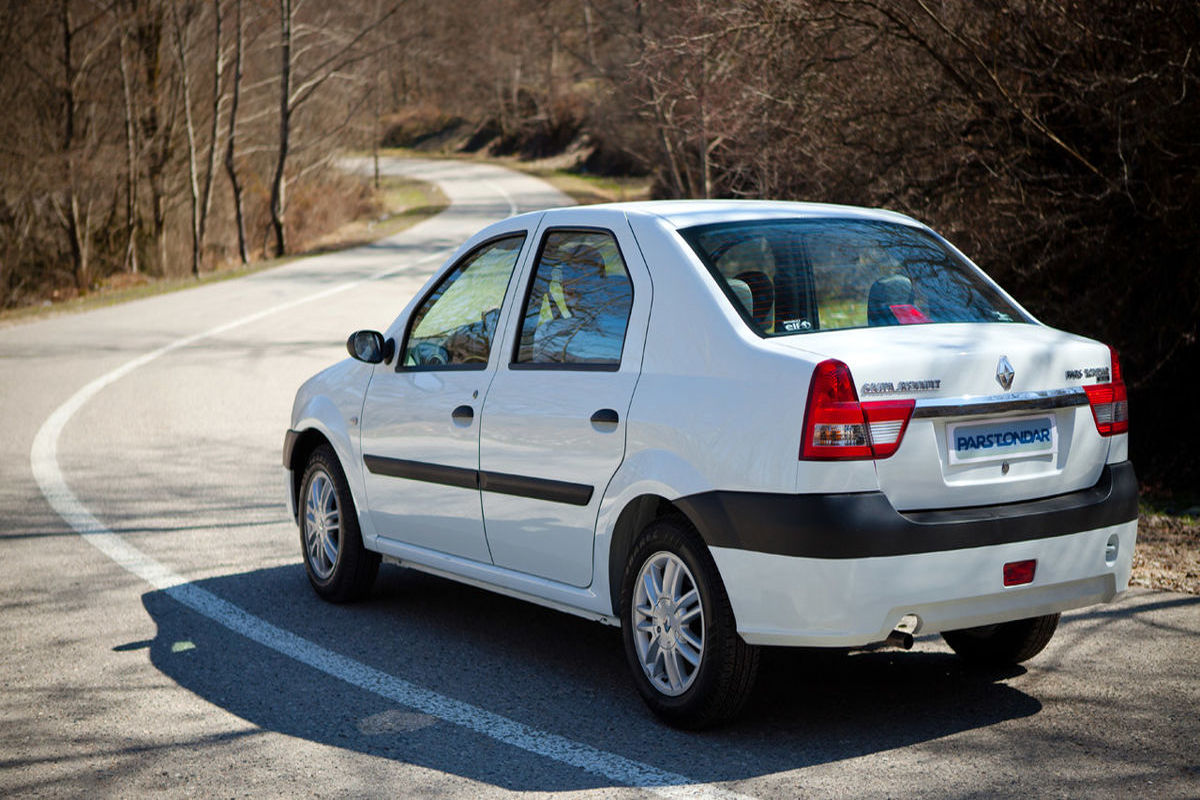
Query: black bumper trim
(865, 525)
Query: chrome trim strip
(1000, 403)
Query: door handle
(605, 420)
(463, 415)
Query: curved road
(159, 634)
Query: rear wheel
(339, 568)
(681, 642)
(1003, 644)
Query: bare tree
(181, 30)
(201, 196)
(337, 53)
(157, 97)
(286, 109)
(130, 260)
(218, 99)
(231, 168)
(73, 205)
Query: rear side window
(577, 308)
(794, 276)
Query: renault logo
(1005, 373)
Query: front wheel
(339, 568)
(681, 642)
(1004, 644)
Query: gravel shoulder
(1168, 552)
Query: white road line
(44, 463)
(512, 206)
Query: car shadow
(550, 671)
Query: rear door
(553, 431)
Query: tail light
(1110, 402)
(838, 427)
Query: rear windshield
(795, 276)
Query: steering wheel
(428, 353)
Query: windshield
(795, 276)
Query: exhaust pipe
(899, 638)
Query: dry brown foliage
(1168, 553)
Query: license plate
(993, 440)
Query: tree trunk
(702, 109)
(376, 132)
(77, 230)
(157, 123)
(189, 127)
(131, 166)
(589, 35)
(214, 130)
(231, 144)
(76, 227)
(285, 125)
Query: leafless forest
(1057, 143)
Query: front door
(553, 430)
(420, 422)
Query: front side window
(456, 324)
(794, 276)
(578, 304)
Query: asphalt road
(159, 635)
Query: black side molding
(421, 471)
(865, 525)
(576, 494)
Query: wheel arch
(308, 441)
(633, 519)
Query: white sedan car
(722, 425)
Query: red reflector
(1019, 572)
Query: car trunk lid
(1000, 412)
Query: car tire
(686, 685)
(339, 568)
(1004, 644)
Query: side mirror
(370, 347)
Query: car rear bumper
(788, 600)
(841, 570)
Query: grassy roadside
(589, 189)
(402, 203)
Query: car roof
(688, 213)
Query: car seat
(894, 290)
(763, 293)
